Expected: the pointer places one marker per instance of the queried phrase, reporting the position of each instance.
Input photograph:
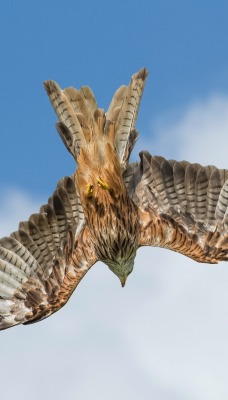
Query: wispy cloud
(163, 336)
(198, 133)
(15, 206)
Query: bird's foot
(104, 185)
(89, 190)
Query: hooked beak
(123, 280)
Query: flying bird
(108, 208)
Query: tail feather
(116, 104)
(79, 104)
(68, 139)
(89, 99)
(82, 122)
(128, 112)
(66, 114)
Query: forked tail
(81, 122)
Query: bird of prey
(108, 208)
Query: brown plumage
(108, 208)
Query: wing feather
(201, 185)
(40, 221)
(190, 179)
(221, 207)
(47, 212)
(214, 189)
(42, 263)
(182, 206)
(178, 176)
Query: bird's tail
(82, 123)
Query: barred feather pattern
(183, 206)
(124, 110)
(108, 208)
(69, 127)
(42, 263)
(81, 121)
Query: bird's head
(122, 269)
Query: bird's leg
(89, 190)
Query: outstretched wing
(182, 206)
(42, 263)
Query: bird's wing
(42, 263)
(182, 206)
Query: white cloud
(164, 336)
(197, 134)
(15, 206)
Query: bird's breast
(113, 225)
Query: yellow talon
(103, 185)
(89, 190)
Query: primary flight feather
(108, 208)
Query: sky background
(165, 335)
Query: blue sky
(164, 336)
(183, 44)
